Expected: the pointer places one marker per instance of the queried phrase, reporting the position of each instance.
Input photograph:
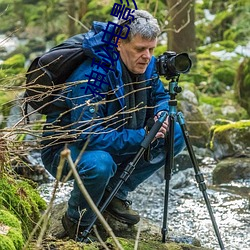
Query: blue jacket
(102, 121)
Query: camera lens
(182, 63)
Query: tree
(181, 26)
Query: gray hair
(144, 24)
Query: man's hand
(164, 128)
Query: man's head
(137, 49)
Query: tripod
(169, 163)
(173, 90)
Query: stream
(187, 212)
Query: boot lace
(127, 203)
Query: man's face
(137, 53)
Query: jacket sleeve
(88, 119)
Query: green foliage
(12, 66)
(17, 61)
(22, 200)
(160, 49)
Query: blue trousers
(100, 170)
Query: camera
(171, 65)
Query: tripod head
(174, 89)
(171, 65)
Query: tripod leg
(168, 173)
(199, 177)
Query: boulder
(230, 140)
(231, 169)
(150, 235)
(197, 125)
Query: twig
(137, 236)
(66, 154)
(45, 217)
(99, 238)
(77, 21)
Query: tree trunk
(83, 7)
(181, 27)
(72, 13)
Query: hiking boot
(75, 231)
(121, 211)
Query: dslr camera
(171, 65)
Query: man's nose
(146, 54)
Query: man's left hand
(164, 128)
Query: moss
(225, 75)
(238, 128)
(128, 244)
(236, 125)
(16, 237)
(6, 243)
(214, 101)
(22, 200)
(9, 219)
(13, 239)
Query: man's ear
(119, 42)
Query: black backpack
(48, 73)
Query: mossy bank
(20, 209)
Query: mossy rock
(21, 199)
(231, 169)
(232, 139)
(242, 85)
(10, 231)
(219, 107)
(128, 244)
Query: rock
(231, 169)
(197, 125)
(229, 140)
(181, 179)
(149, 238)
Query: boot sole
(121, 219)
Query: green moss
(6, 243)
(225, 75)
(239, 128)
(128, 244)
(212, 100)
(13, 238)
(9, 219)
(22, 200)
(236, 125)
(16, 237)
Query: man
(109, 119)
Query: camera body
(171, 65)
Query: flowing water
(187, 212)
